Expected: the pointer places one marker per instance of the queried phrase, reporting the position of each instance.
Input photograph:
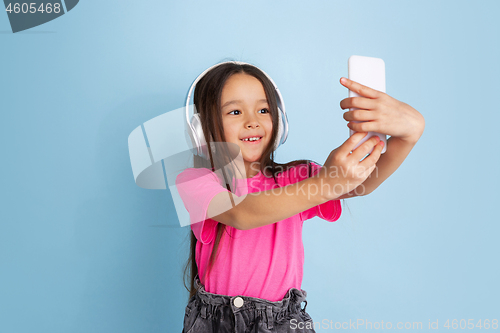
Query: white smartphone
(369, 72)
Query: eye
(266, 110)
(233, 111)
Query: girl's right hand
(343, 172)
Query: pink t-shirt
(262, 262)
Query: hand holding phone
(369, 72)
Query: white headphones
(195, 130)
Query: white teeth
(252, 139)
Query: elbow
(241, 222)
(238, 227)
(365, 192)
(236, 222)
(240, 217)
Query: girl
(247, 256)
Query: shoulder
(196, 177)
(193, 173)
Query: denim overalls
(207, 312)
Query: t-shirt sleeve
(197, 187)
(330, 210)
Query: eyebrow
(239, 101)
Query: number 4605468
(31, 8)
(463, 324)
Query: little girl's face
(245, 114)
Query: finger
(349, 144)
(371, 160)
(368, 170)
(357, 103)
(365, 126)
(360, 89)
(365, 148)
(359, 115)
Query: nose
(251, 121)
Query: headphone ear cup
(279, 136)
(198, 136)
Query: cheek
(269, 128)
(230, 132)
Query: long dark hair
(207, 99)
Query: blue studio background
(84, 249)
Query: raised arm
(379, 112)
(266, 207)
(341, 173)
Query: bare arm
(378, 112)
(266, 207)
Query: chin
(251, 160)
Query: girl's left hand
(381, 113)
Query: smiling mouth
(253, 141)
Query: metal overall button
(238, 302)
